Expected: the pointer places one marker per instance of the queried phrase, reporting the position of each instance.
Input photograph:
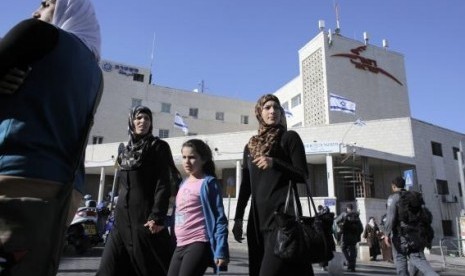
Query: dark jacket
(144, 193)
(350, 235)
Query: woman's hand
(153, 228)
(12, 80)
(263, 162)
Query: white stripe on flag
(338, 103)
(179, 123)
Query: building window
(436, 148)
(136, 102)
(455, 152)
(219, 116)
(460, 189)
(285, 106)
(295, 101)
(447, 227)
(166, 107)
(244, 119)
(164, 133)
(193, 112)
(442, 187)
(138, 77)
(97, 140)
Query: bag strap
(292, 188)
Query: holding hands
(153, 228)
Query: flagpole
(152, 57)
(461, 173)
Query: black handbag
(299, 238)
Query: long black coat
(144, 193)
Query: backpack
(414, 223)
(349, 228)
(351, 223)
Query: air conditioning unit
(449, 199)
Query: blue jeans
(416, 262)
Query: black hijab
(138, 145)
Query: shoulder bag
(299, 238)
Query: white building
(348, 161)
(126, 86)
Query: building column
(102, 185)
(238, 177)
(330, 174)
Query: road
(87, 264)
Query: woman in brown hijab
(272, 158)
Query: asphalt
(443, 265)
(86, 265)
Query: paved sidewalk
(453, 265)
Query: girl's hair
(204, 151)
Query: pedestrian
(271, 159)
(324, 211)
(50, 86)
(386, 251)
(351, 228)
(201, 225)
(371, 235)
(393, 237)
(139, 243)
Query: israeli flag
(179, 123)
(338, 103)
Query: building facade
(352, 157)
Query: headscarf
(134, 152)
(371, 222)
(78, 17)
(264, 142)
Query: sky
(245, 48)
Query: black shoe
(351, 269)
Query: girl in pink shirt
(200, 223)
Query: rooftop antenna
(321, 25)
(201, 86)
(385, 44)
(338, 26)
(330, 37)
(366, 37)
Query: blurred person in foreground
(50, 86)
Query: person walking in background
(324, 211)
(201, 226)
(386, 251)
(371, 235)
(50, 87)
(352, 228)
(139, 243)
(394, 238)
(272, 158)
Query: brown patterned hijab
(262, 144)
